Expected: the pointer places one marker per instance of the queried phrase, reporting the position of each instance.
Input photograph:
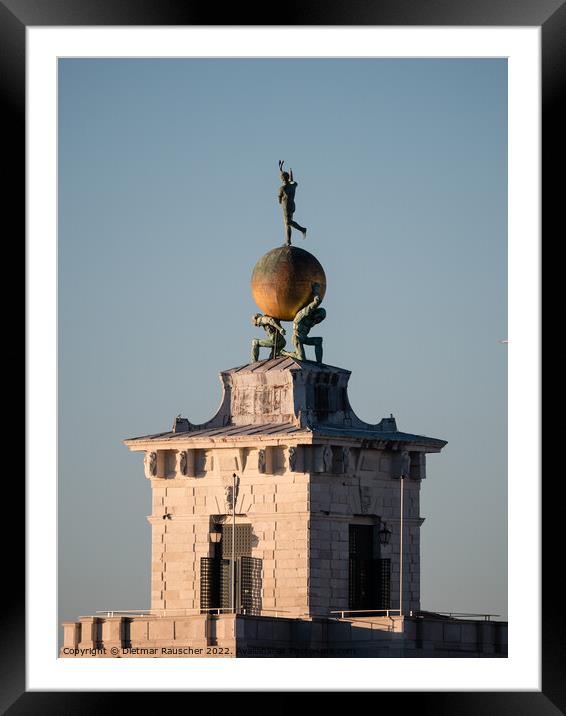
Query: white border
(521, 671)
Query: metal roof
(227, 431)
(283, 363)
(288, 429)
(376, 435)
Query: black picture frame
(550, 16)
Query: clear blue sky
(167, 197)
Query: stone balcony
(242, 636)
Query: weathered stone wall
(362, 490)
(274, 500)
(300, 501)
(229, 636)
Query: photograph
(329, 237)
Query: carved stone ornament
(229, 496)
(150, 464)
(327, 458)
(261, 461)
(346, 459)
(182, 462)
(292, 455)
(405, 464)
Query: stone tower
(318, 495)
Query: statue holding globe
(288, 284)
(305, 319)
(275, 336)
(286, 198)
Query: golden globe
(282, 281)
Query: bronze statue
(305, 319)
(287, 199)
(274, 340)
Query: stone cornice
(196, 443)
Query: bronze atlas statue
(288, 284)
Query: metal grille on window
(215, 573)
(383, 587)
(208, 583)
(250, 571)
(224, 568)
(242, 541)
(362, 583)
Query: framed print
(118, 232)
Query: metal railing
(158, 612)
(182, 612)
(385, 612)
(277, 612)
(344, 613)
(456, 615)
